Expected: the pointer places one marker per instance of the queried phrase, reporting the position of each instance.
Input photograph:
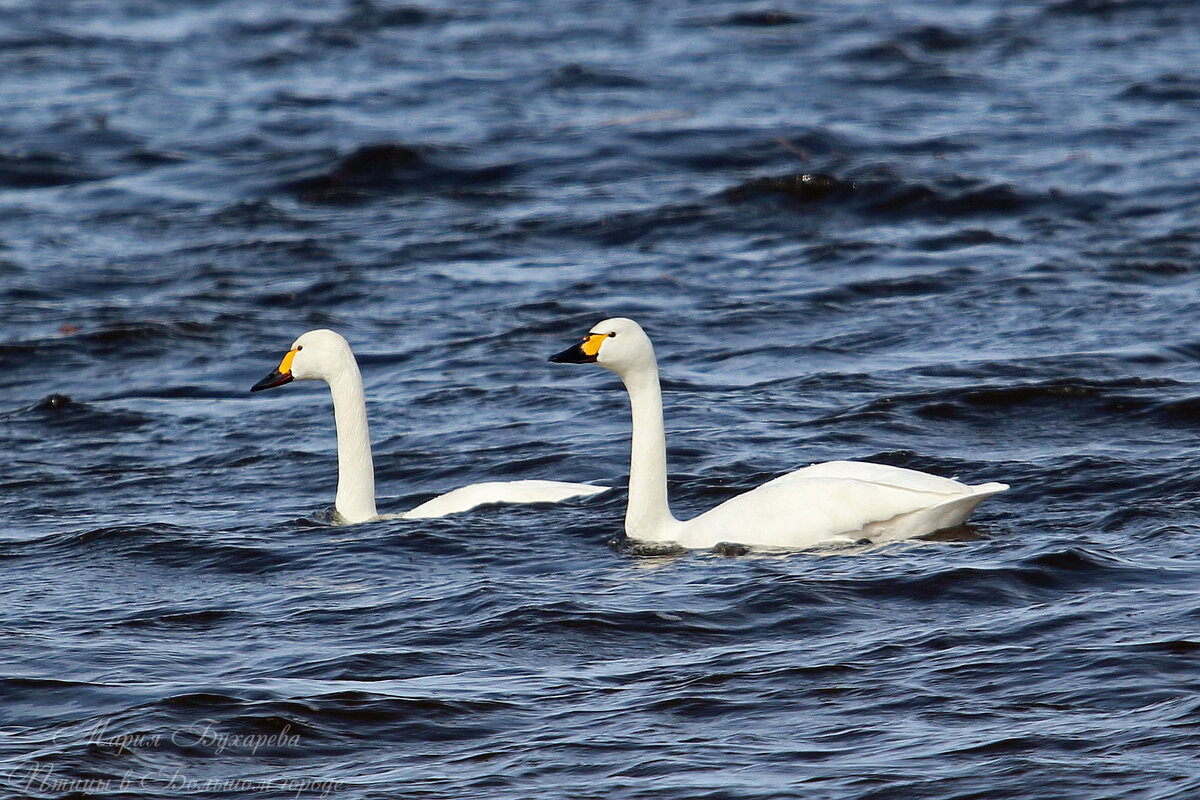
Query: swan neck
(356, 471)
(648, 515)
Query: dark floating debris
(53, 402)
(69, 416)
(802, 187)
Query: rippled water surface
(957, 237)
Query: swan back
(841, 500)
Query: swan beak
(281, 375)
(583, 353)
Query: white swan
(840, 500)
(324, 355)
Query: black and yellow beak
(281, 375)
(583, 353)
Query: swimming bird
(324, 355)
(838, 500)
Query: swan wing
(837, 501)
(883, 474)
(478, 494)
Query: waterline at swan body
(324, 355)
(838, 500)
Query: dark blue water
(957, 237)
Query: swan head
(618, 344)
(316, 356)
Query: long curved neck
(648, 513)
(356, 471)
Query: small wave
(1186, 410)
(369, 16)
(721, 149)
(42, 170)
(319, 294)
(174, 619)
(1066, 570)
(577, 76)
(254, 214)
(210, 718)
(619, 229)
(908, 286)
(911, 64)
(1116, 396)
(1117, 399)
(881, 193)
(382, 170)
(969, 237)
(1171, 87)
(1104, 9)
(1179, 647)
(118, 339)
(759, 19)
(937, 39)
(44, 684)
(203, 700)
(370, 665)
(161, 543)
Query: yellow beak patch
(591, 345)
(285, 366)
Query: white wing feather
(465, 498)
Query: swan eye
(299, 347)
(611, 334)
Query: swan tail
(949, 513)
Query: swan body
(838, 500)
(325, 356)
